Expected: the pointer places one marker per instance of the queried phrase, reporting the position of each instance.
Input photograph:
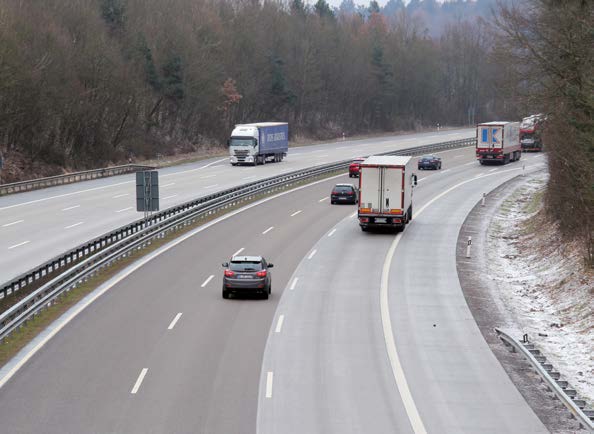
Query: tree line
(550, 47)
(85, 83)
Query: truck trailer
(498, 142)
(531, 133)
(259, 143)
(385, 192)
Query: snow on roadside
(545, 285)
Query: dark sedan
(344, 193)
(247, 275)
(430, 162)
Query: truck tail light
(229, 273)
(261, 273)
(397, 221)
(364, 219)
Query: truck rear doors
(381, 190)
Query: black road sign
(147, 190)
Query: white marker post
(523, 170)
(468, 247)
(483, 200)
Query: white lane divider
(250, 177)
(353, 214)
(295, 213)
(269, 378)
(458, 156)
(169, 197)
(120, 195)
(175, 320)
(446, 170)
(124, 209)
(74, 225)
(332, 232)
(19, 245)
(311, 255)
(208, 176)
(71, 207)
(407, 399)
(268, 230)
(168, 185)
(292, 287)
(324, 198)
(492, 170)
(279, 324)
(207, 280)
(468, 164)
(210, 186)
(13, 223)
(139, 381)
(238, 252)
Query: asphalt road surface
(39, 225)
(161, 352)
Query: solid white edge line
(331, 232)
(87, 301)
(13, 223)
(292, 287)
(207, 280)
(120, 195)
(124, 209)
(279, 324)
(175, 320)
(397, 371)
(311, 255)
(18, 245)
(268, 230)
(139, 381)
(238, 252)
(269, 379)
(295, 213)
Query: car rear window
(343, 189)
(245, 266)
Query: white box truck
(259, 143)
(498, 142)
(385, 192)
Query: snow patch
(545, 285)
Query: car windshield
(245, 266)
(427, 157)
(343, 189)
(241, 141)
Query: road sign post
(147, 192)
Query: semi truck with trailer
(385, 192)
(531, 133)
(498, 142)
(259, 143)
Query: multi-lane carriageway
(363, 333)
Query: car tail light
(229, 273)
(335, 192)
(261, 273)
(350, 193)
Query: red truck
(531, 133)
(498, 142)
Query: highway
(375, 334)
(39, 225)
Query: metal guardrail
(552, 379)
(66, 271)
(34, 184)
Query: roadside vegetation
(87, 83)
(549, 45)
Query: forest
(86, 83)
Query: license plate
(244, 276)
(380, 220)
(342, 198)
(489, 156)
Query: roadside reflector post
(483, 200)
(343, 137)
(468, 247)
(523, 170)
